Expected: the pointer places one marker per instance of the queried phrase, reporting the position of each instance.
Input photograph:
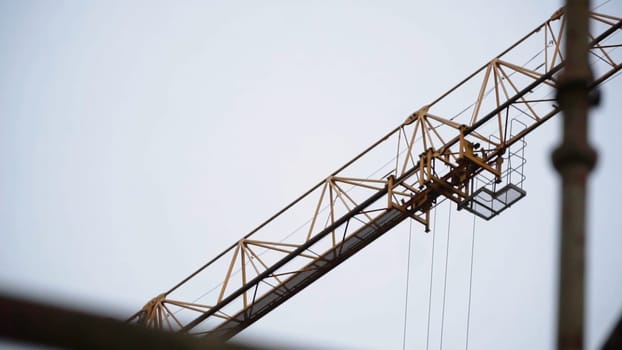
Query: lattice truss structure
(465, 146)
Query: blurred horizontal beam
(43, 324)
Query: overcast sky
(138, 139)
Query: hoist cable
(445, 283)
(410, 233)
(601, 5)
(470, 285)
(427, 341)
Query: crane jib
(473, 158)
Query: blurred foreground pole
(573, 159)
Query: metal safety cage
(490, 195)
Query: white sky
(139, 139)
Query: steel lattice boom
(465, 146)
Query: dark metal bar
(283, 292)
(316, 269)
(287, 207)
(537, 82)
(615, 338)
(286, 259)
(548, 75)
(32, 322)
(573, 160)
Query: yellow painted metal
(438, 156)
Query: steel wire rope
(468, 324)
(403, 151)
(470, 289)
(601, 5)
(474, 217)
(473, 226)
(211, 290)
(410, 233)
(434, 127)
(445, 282)
(474, 220)
(491, 89)
(427, 341)
(551, 92)
(487, 93)
(237, 271)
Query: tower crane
(464, 147)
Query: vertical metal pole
(573, 160)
